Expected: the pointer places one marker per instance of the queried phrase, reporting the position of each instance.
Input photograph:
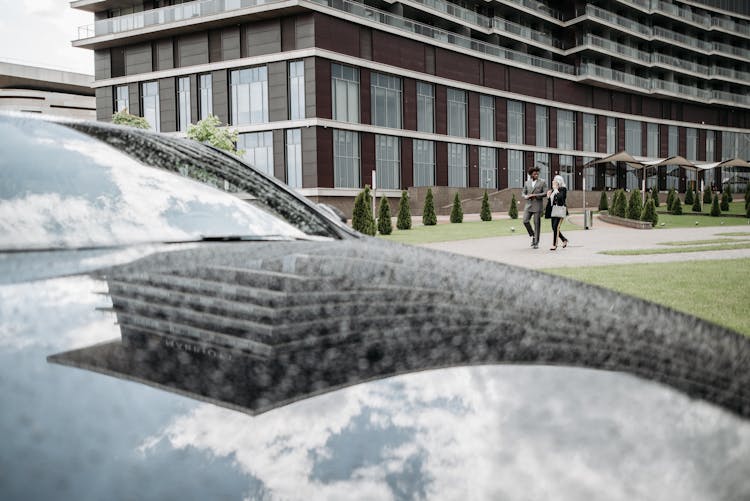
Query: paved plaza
(585, 245)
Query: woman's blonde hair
(560, 181)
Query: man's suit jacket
(535, 204)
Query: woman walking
(559, 210)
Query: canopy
(622, 156)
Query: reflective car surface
(176, 325)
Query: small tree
(603, 203)
(513, 210)
(707, 195)
(649, 212)
(655, 195)
(457, 212)
(677, 206)
(404, 212)
(362, 219)
(715, 211)
(728, 191)
(725, 201)
(429, 218)
(486, 213)
(620, 205)
(635, 205)
(209, 130)
(122, 117)
(697, 204)
(670, 198)
(689, 196)
(384, 217)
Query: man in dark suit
(534, 191)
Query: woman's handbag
(559, 211)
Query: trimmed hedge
(404, 212)
(513, 210)
(486, 213)
(385, 227)
(429, 218)
(457, 212)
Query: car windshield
(61, 188)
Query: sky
(39, 33)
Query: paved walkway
(585, 245)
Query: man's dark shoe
(535, 246)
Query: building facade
(32, 89)
(462, 93)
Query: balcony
(741, 76)
(719, 95)
(620, 77)
(731, 50)
(730, 26)
(672, 36)
(526, 33)
(602, 15)
(680, 89)
(156, 17)
(612, 47)
(682, 64)
(457, 12)
(539, 8)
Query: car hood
(470, 368)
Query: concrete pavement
(584, 245)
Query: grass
(689, 220)
(465, 231)
(715, 290)
(735, 234)
(704, 242)
(677, 250)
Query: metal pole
(374, 195)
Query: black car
(176, 325)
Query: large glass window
(611, 135)
(457, 166)
(457, 113)
(487, 168)
(249, 95)
(345, 88)
(387, 162)
(541, 160)
(542, 125)
(346, 159)
(205, 96)
(294, 158)
(425, 107)
(734, 145)
(633, 137)
(515, 122)
(385, 93)
(710, 146)
(122, 99)
(258, 148)
(652, 140)
(566, 130)
(487, 118)
(515, 169)
(150, 97)
(296, 90)
(673, 171)
(691, 151)
(183, 103)
(589, 144)
(567, 168)
(424, 163)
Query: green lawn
(445, 232)
(736, 207)
(688, 220)
(678, 250)
(716, 290)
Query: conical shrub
(404, 212)
(603, 203)
(725, 201)
(670, 198)
(635, 205)
(689, 196)
(728, 191)
(486, 213)
(655, 195)
(620, 206)
(649, 212)
(707, 195)
(677, 206)
(457, 212)
(385, 227)
(697, 204)
(513, 210)
(715, 211)
(429, 218)
(362, 219)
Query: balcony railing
(525, 32)
(730, 49)
(730, 73)
(590, 69)
(728, 96)
(677, 62)
(683, 39)
(461, 13)
(609, 17)
(540, 7)
(614, 47)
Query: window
(542, 126)
(150, 98)
(294, 158)
(566, 130)
(122, 99)
(692, 144)
(456, 113)
(457, 165)
(487, 118)
(652, 140)
(258, 148)
(425, 107)
(710, 146)
(387, 162)
(345, 159)
(515, 122)
(541, 160)
(487, 168)
(633, 137)
(672, 144)
(345, 89)
(611, 135)
(183, 103)
(567, 164)
(673, 171)
(205, 96)
(589, 144)
(249, 89)
(515, 169)
(296, 90)
(385, 91)
(424, 163)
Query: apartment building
(462, 93)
